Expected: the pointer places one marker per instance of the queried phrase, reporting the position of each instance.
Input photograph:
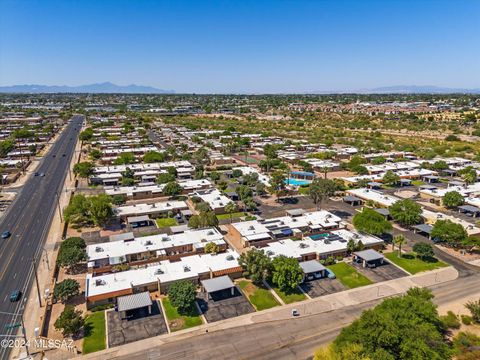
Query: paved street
(282, 339)
(29, 219)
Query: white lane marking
(5, 300)
(14, 275)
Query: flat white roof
(213, 197)
(373, 195)
(115, 250)
(189, 267)
(164, 206)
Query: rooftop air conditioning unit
(158, 272)
(186, 268)
(98, 249)
(230, 257)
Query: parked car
(6, 234)
(36, 174)
(330, 274)
(15, 295)
(295, 312)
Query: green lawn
(234, 215)
(348, 276)
(163, 222)
(304, 190)
(417, 182)
(94, 339)
(412, 264)
(290, 297)
(260, 297)
(178, 321)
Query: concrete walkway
(306, 308)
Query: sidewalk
(308, 307)
(33, 314)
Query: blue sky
(241, 46)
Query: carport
(369, 258)
(352, 200)
(312, 269)
(469, 209)
(384, 212)
(431, 179)
(423, 229)
(138, 221)
(218, 284)
(133, 302)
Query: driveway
(224, 305)
(140, 326)
(380, 273)
(320, 287)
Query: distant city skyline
(241, 47)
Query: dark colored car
(15, 295)
(36, 174)
(6, 234)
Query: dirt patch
(176, 324)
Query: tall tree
(256, 265)
(371, 222)
(321, 189)
(406, 212)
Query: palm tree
(399, 240)
(230, 208)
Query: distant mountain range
(407, 89)
(106, 87)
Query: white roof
(337, 242)
(246, 170)
(164, 206)
(118, 249)
(189, 267)
(213, 197)
(141, 167)
(373, 195)
(156, 188)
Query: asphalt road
(28, 219)
(284, 339)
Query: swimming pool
(318, 236)
(297, 182)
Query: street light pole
(36, 280)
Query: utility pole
(58, 203)
(36, 281)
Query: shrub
(466, 319)
(450, 320)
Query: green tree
(118, 199)
(469, 174)
(277, 183)
(321, 189)
(83, 169)
(125, 158)
(172, 189)
(77, 212)
(399, 240)
(211, 248)
(214, 176)
(423, 250)
(453, 199)
(230, 208)
(449, 232)
(244, 192)
(70, 321)
(86, 135)
(95, 154)
(474, 308)
(390, 178)
(371, 222)
(256, 265)
(203, 220)
(66, 289)
(403, 328)
(165, 178)
(71, 256)
(100, 209)
(154, 156)
(406, 212)
(182, 295)
(287, 273)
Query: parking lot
(380, 273)
(320, 287)
(222, 305)
(140, 325)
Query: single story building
(368, 258)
